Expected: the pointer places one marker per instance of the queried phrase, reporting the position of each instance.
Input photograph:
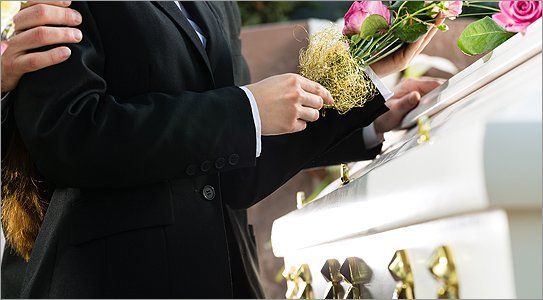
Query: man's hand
(406, 97)
(400, 59)
(31, 32)
(286, 102)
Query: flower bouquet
(340, 60)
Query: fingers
(45, 14)
(34, 61)
(316, 89)
(422, 85)
(55, 3)
(311, 101)
(430, 35)
(410, 101)
(308, 114)
(398, 109)
(299, 126)
(411, 49)
(428, 84)
(405, 104)
(44, 36)
(416, 48)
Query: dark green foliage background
(261, 12)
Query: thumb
(407, 102)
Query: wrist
(380, 134)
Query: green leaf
(410, 31)
(409, 6)
(372, 25)
(482, 36)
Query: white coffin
(475, 187)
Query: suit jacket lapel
(173, 12)
(218, 47)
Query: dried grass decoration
(328, 61)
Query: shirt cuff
(371, 139)
(256, 118)
(381, 87)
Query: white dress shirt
(371, 139)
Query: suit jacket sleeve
(351, 149)
(284, 156)
(80, 135)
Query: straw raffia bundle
(328, 61)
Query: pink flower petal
(359, 11)
(3, 47)
(516, 16)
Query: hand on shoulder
(38, 24)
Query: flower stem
(372, 48)
(373, 60)
(377, 55)
(475, 14)
(401, 6)
(482, 6)
(431, 6)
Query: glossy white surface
(510, 54)
(476, 187)
(450, 175)
(479, 244)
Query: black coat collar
(217, 54)
(218, 47)
(173, 12)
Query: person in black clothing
(131, 214)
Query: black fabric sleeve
(351, 149)
(80, 136)
(284, 156)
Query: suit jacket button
(206, 165)
(233, 159)
(208, 192)
(220, 163)
(191, 170)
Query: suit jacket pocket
(104, 212)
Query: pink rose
(359, 11)
(516, 16)
(450, 9)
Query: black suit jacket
(130, 131)
(242, 246)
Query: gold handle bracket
(300, 198)
(344, 171)
(400, 269)
(356, 273)
(298, 282)
(443, 269)
(330, 272)
(424, 126)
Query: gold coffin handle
(330, 272)
(400, 269)
(356, 273)
(442, 267)
(298, 282)
(345, 176)
(423, 126)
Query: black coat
(146, 140)
(241, 244)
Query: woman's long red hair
(23, 198)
